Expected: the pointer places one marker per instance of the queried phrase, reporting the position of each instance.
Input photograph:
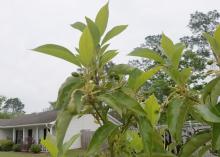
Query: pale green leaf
(59, 52)
(50, 144)
(121, 69)
(102, 19)
(113, 32)
(75, 102)
(167, 46)
(94, 31)
(69, 143)
(108, 56)
(79, 26)
(86, 48)
(147, 53)
(152, 108)
(217, 36)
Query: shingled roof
(29, 119)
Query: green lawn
(75, 153)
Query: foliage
(16, 148)
(35, 148)
(6, 145)
(98, 92)
(13, 105)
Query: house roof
(29, 119)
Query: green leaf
(147, 53)
(66, 89)
(216, 136)
(99, 137)
(177, 54)
(75, 103)
(79, 25)
(109, 100)
(113, 32)
(108, 56)
(152, 108)
(217, 36)
(214, 45)
(94, 31)
(176, 115)
(207, 113)
(184, 75)
(146, 132)
(163, 155)
(104, 48)
(168, 46)
(86, 48)
(50, 144)
(207, 91)
(69, 143)
(59, 52)
(195, 143)
(102, 19)
(128, 102)
(63, 120)
(134, 140)
(121, 69)
(138, 78)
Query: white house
(30, 128)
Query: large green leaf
(63, 120)
(99, 137)
(58, 51)
(195, 143)
(128, 102)
(94, 31)
(113, 32)
(207, 91)
(109, 100)
(216, 136)
(178, 50)
(147, 53)
(108, 56)
(146, 131)
(138, 78)
(50, 144)
(121, 69)
(79, 26)
(152, 108)
(206, 113)
(66, 89)
(176, 115)
(102, 19)
(86, 48)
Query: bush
(16, 148)
(35, 148)
(6, 145)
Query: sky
(25, 24)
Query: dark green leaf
(216, 136)
(195, 143)
(176, 115)
(99, 137)
(58, 51)
(146, 132)
(113, 32)
(147, 53)
(79, 25)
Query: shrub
(35, 148)
(16, 148)
(6, 145)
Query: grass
(73, 153)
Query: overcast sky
(26, 24)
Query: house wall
(5, 134)
(85, 122)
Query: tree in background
(197, 55)
(13, 105)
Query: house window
(30, 132)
